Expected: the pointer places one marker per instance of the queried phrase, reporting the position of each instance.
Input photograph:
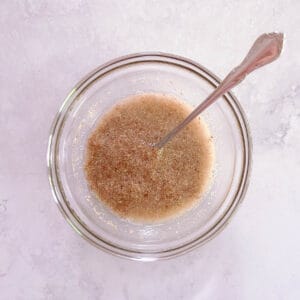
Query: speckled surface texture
(45, 48)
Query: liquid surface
(138, 181)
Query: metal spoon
(265, 49)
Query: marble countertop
(46, 47)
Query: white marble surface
(45, 48)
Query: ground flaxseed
(138, 181)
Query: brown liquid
(138, 181)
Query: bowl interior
(92, 98)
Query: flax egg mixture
(135, 179)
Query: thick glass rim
(58, 123)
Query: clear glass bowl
(97, 93)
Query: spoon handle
(265, 49)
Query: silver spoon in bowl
(265, 49)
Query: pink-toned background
(45, 48)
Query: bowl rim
(70, 215)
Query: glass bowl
(94, 95)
